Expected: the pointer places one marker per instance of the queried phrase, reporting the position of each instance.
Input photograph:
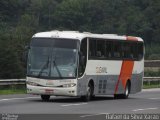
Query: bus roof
(80, 35)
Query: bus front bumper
(70, 91)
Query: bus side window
(134, 50)
(82, 57)
(100, 48)
(99, 54)
(117, 50)
(92, 48)
(108, 50)
(126, 50)
(140, 51)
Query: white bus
(70, 63)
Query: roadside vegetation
(20, 19)
(12, 89)
(147, 85)
(152, 73)
(152, 51)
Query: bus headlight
(31, 83)
(69, 85)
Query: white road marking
(144, 109)
(154, 98)
(151, 90)
(73, 104)
(90, 115)
(17, 98)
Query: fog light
(69, 85)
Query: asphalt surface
(68, 108)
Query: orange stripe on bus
(126, 69)
(132, 38)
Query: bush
(151, 73)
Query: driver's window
(82, 57)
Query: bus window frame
(117, 42)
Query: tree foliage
(20, 19)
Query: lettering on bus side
(101, 70)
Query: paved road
(148, 101)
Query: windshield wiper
(55, 65)
(45, 66)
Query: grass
(12, 89)
(7, 92)
(153, 84)
(150, 86)
(151, 72)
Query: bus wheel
(125, 94)
(45, 97)
(88, 96)
(127, 91)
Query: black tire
(45, 97)
(125, 94)
(89, 94)
(116, 96)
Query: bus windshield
(52, 58)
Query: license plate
(48, 91)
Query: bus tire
(89, 94)
(45, 97)
(125, 94)
(127, 91)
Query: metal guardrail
(12, 81)
(23, 81)
(145, 79)
(150, 80)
